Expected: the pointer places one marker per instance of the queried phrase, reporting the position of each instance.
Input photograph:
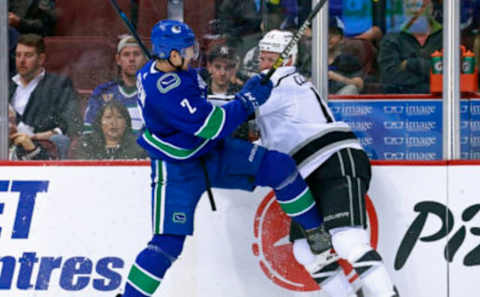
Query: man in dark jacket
(405, 57)
(32, 16)
(46, 104)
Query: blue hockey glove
(253, 94)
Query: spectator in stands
(32, 16)
(404, 58)
(21, 146)
(222, 62)
(304, 58)
(28, 17)
(356, 18)
(111, 136)
(47, 104)
(240, 21)
(344, 70)
(469, 15)
(221, 65)
(280, 14)
(129, 59)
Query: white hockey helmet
(276, 41)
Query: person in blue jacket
(184, 132)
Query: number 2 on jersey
(185, 103)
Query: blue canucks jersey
(112, 91)
(180, 123)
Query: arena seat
(198, 17)
(51, 148)
(195, 15)
(90, 18)
(88, 61)
(84, 95)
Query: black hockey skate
(318, 239)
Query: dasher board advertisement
(71, 231)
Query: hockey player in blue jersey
(183, 130)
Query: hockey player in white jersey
(297, 121)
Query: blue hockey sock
(151, 264)
(297, 201)
(279, 171)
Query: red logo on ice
(272, 247)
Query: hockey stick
(147, 54)
(300, 32)
(131, 28)
(416, 15)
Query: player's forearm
(223, 121)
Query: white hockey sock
(352, 244)
(377, 283)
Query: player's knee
(350, 243)
(168, 246)
(276, 167)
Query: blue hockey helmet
(169, 35)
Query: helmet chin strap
(178, 68)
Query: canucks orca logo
(167, 82)
(176, 29)
(179, 217)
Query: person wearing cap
(222, 63)
(344, 70)
(129, 59)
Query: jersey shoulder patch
(167, 82)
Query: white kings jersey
(295, 120)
